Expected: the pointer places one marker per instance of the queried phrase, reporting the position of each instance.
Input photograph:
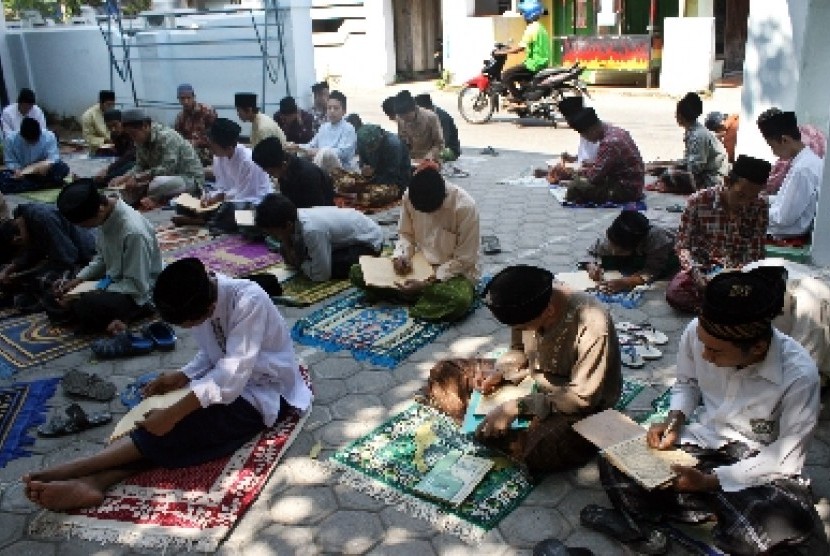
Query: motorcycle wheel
(475, 105)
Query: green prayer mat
(42, 195)
(795, 254)
(385, 464)
(630, 390)
(301, 291)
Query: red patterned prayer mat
(193, 508)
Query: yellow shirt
(263, 127)
(94, 128)
(448, 238)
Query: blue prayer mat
(22, 406)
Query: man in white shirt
(440, 220)
(239, 181)
(754, 395)
(335, 138)
(25, 107)
(323, 242)
(793, 208)
(244, 378)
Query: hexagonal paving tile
(349, 532)
(303, 505)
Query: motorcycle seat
(545, 73)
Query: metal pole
(651, 15)
(265, 51)
(109, 48)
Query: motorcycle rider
(535, 43)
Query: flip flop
(652, 336)
(629, 357)
(121, 345)
(76, 420)
(162, 335)
(648, 352)
(86, 385)
(674, 208)
(490, 151)
(131, 396)
(490, 245)
(626, 326)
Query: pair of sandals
(157, 335)
(637, 343)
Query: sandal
(131, 396)
(162, 335)
(490, 245)
(630, 357)
(648, 352)
(121, 345)
(652, 336)
(76, 420)
(86, 385)
(614, 524)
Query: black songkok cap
(518, 294)
(628, 229)
(740, 306)
(752, 169)
(569, 106)
(690, 106)
(404, 102)
(134, 115)
(112, 115)
(106, 96)
(778, 124)
(424, 100)
(26, 96)
(224, 132)
(79, 201)
(321, 86)
(182, 291)
(288, 105)
(244, 100)
(584, 120)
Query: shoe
(76, 420)
(86, 385)
(554, 547)
(162, 335)
(614, 524)
(121, 345)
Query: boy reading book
(243, 378)
(759, 391)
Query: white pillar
(299, 49)
(378, 59)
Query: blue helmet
(531, 10)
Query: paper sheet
(190, 202)
(136, 414)
(506, 393)
(244, 218)
(580, 281)
(83, 287)
(379, 272)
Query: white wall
(688, 54)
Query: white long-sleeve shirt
(239, 178)
(12, 118)
(449, 237)
(587, 151)
(771, 406)
(245, 350)
(321, 230)
(341, 137)
(792, 210)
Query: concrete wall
(688, 54)
(67, 66)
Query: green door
(571, 17)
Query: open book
(623, 443)
(36, 168)
(379, 272)
(580, 281)
(244, 218)
(136, 414)
(82, 288)
(453, 477)
(188, 201)
(479, 405)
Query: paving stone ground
(303, 509)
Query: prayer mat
(31, 340)
(42, 195)
(350, 202)
(230, 255)
(22, 406)
(795, 254)
(629, 300)
(193, 508)
(301, 291)
(559, 194)
(384, 335)
(389, 461)
(174, 238)
(630, 390)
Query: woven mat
(193, 508)
(31, 340)
(559, 194)
(42, 195)
(303, 292)
(22, 406)
(384, 335)
(231, 255)
(384, 465)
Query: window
(581, 16)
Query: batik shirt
(771, 406)
(194, 125)
(618, 161)
(166, 153)
(705, 156)
(711, 235)
(812, 138)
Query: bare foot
(116, 327)
(148, 204)
(64, 495)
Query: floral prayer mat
(22, 406)
(389, 461)
(31, 339)
(559, 193)
(384, 335)
(172, 238)
(193, 508)
(302, 292)
(230, 255)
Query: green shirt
(166, 153)
(128, 253)
(536, 43)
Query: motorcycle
(480, 97)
